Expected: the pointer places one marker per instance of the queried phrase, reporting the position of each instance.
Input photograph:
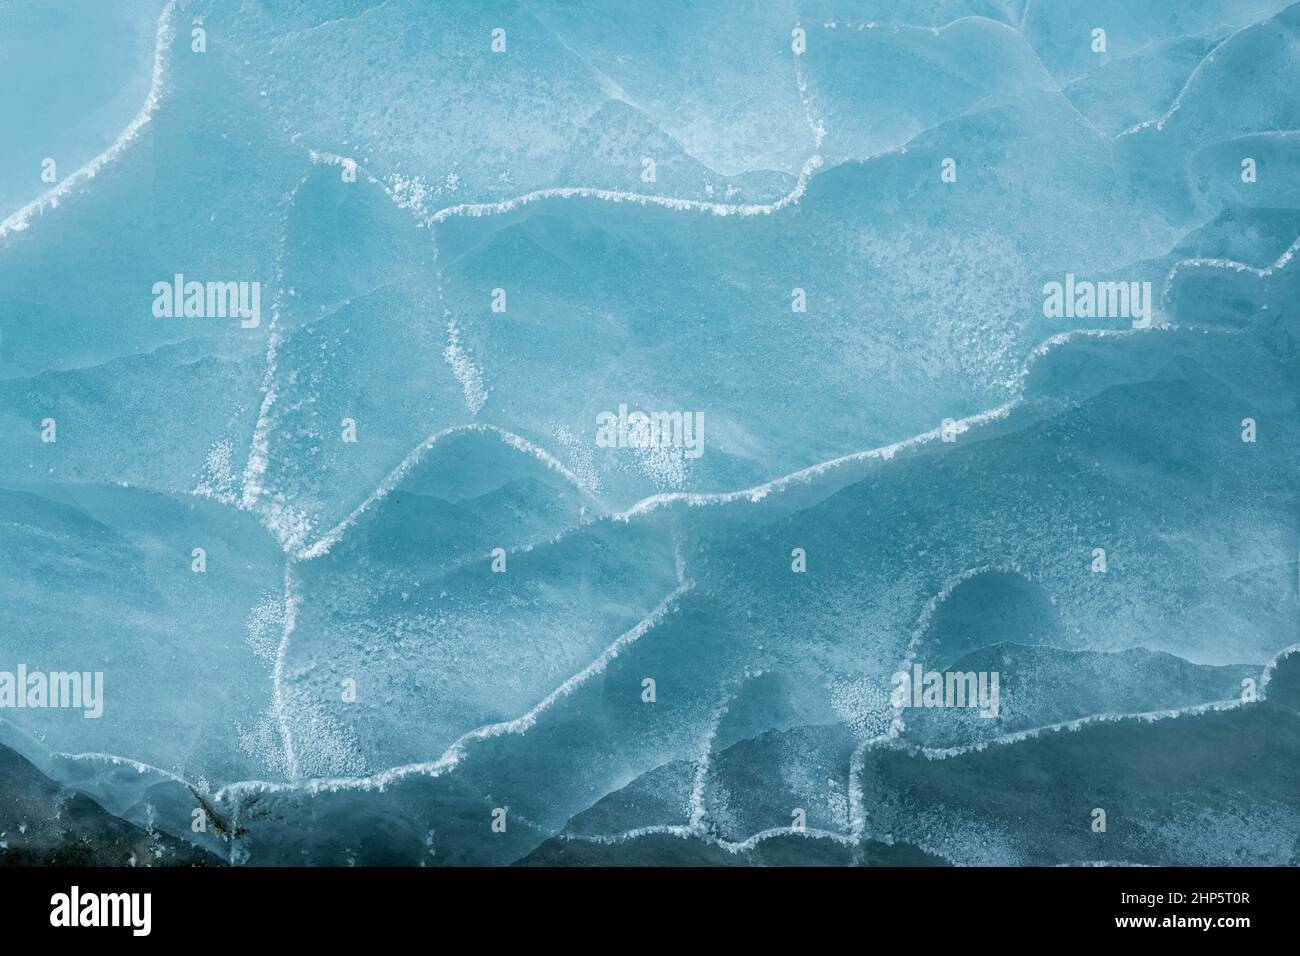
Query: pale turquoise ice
(332, 562)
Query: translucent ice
(577, 433)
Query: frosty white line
(686, 832)
(753, 494)
(137, 765)
(1209, 57)
(613, 195)
(757, 493)
(701, 778)
(1280, 263)
(291, 604)
(259, 454)
(810, 166)
(49, 199)
(462, 364)
(327, 541)
(816, 124)
(453, 755)
(857, 760)
(944, 753)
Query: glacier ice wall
(571, 433)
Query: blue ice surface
(504, 625)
